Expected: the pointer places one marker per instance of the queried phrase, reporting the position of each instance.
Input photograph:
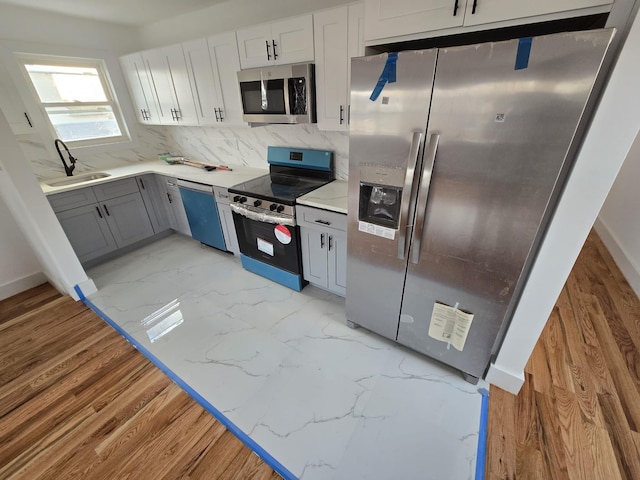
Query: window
(75, 95)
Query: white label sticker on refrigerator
(265, 246)
(377, 230)
(450, 325)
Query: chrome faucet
(72, 159)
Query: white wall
(226, 17)
(613, 129)
(19, 267)
(619, 220)
(36, 26)
(32, 213)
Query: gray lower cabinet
(128, 219)
(154, 202)
(226, 220)
(170, 194)
(324, 248)
(102, 218)
(87, 231)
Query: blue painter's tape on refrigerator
(388, 75)
(524, 51)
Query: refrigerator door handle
(423, 194)
(406, 193)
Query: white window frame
(103, 74)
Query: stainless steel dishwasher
(202, 213)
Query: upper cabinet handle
(275, 54)
(266, 42)
(220, 113)
(455, 8)
(341, 114)
(475, 5)
(215, 110)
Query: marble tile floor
(326, 401)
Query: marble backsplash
(232, 146)
(45, 163)
(248, 146)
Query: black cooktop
(278, 187)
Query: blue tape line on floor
(481, 456)
(262, 453)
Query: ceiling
(126, 12)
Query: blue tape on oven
(388, 75)
(257, 449)
(524, 51)
(481, 455)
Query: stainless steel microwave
(278, 94)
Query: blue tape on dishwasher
(388, 75)
(248, 441)
(524, 51)
(481, 456)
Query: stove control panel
(264, 205)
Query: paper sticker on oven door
(283, 234)
(265, 246)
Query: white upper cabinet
(391, 18)
(277, 43)
(168, 71)
(212, 65)
(395, 18)
(488, 11)
(142, 92)
(334, 30)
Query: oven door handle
(262, 216)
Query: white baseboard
(630, 271)
(21, 284)
(510, 381)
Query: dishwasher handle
(196, 186)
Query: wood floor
(78, 401)
(578, 414)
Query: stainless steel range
(264, 212)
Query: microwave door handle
(287, 98)
(423, 195)
(405, 203)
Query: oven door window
(266, 96)
(276, 245)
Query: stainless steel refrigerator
(456, 158)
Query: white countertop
(219, 178)
(332, 196)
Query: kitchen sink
(78, 179)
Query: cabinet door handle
(99, 212)
(341, 114)
(142, 184)
(475, 5)
(178, 116)
(220, 112)
(455, 8)
(330, 239)
(106, 210)
(169, 197)
(275, 54)
(215, 110)
(323, 222)
(28, 119)
(322, 240)
(266, 42)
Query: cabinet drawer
(115, 189)
(222, 195)
(318, 218)
(75, 198)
